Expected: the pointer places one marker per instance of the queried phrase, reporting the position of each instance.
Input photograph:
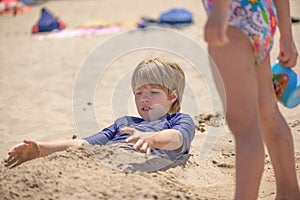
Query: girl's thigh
(267, 99)
(236, 64)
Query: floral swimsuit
(257, 19)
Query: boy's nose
(145, 98)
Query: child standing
(240, 34)
(158, 87)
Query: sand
(37, 83)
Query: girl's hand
(143, 140)
(288, 53)
(22, 152)
(216, 27)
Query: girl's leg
(277, 136)
(235, 62)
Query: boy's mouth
(147, 108)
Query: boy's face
(153, 101)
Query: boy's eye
(154, 90)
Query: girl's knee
(243, 124)
(269, 111)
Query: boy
(158, 87)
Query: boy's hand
(22, 152)
(143, 140)
(288, 53)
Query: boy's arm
(47, 148)
(288, 53)
(168, 139)
(29, 149)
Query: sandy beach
(38, 78)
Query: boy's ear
(173, 96)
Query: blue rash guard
(178, 121)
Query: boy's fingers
(133, 132)
(10, 156)
(8, 159)
(9, 163)
(27, 141)
(10, 153)
(144, 147)
(12, 162)
(148, 151)
(128, 130)
(138, 144)
(132, 138)
(18, 162)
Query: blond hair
(163, 72)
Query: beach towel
(77, 32)
(47, 22)
(99, 27)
